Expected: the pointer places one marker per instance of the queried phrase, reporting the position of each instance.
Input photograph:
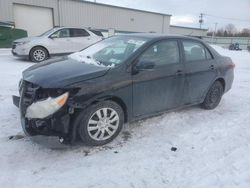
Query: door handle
(211, 67)
(179, 73)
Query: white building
(37, 16)
(187, 31)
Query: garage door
(35, 20)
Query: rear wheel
(100, 123)
(213, 96)
(38, 54)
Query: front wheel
(100, 123)
(213, 96)
(38, 54)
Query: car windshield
(48, 32)
(109, 52)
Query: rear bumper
(229, 78)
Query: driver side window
(63, 33)
(162, 53)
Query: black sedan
(92, 93)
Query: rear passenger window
(162, 53)
(98, 33)
(195, 51)
(78, 33)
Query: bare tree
(231, 29)
(245, 32)
(220, 32)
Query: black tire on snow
(42, 50)
(213, 96)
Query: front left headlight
(22, 43)
(43, 109)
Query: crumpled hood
(62, 72)
(26, 39)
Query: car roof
(158, 35)
(64, 27)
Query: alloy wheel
(39, 55)
(103, 124)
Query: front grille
(28, 95)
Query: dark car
(92, 93)
(235, 46)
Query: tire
(213, 96)
(94, 129)
(38, 54)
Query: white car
(57, 41)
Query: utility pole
(215, 27)
(201, 19)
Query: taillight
(232, 66)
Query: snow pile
(191, 148)
(79, 56)
(218, 48)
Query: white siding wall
(7, 10)
(39, 15)
(187, 31)
(85, 14)
(74, 13)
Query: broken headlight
(44, 108)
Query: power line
(236, 19)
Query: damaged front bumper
(57, 124)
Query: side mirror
(145, 65)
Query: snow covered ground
(213, 147)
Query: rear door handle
(211, 67)
(179, 73)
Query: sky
(186, 12)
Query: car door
(60, 42)
(200, 71)
(80, 39)
(158, 78)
